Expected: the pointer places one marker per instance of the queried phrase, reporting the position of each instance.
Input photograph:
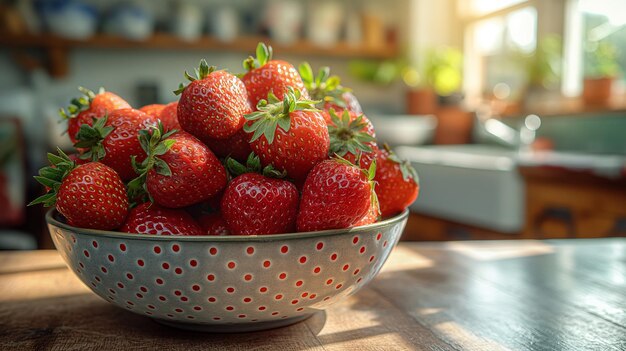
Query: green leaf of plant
(50, 183)
(162, 168)
(235, 168)
(48, 200)
(322, 75)
(51, 173)
(163, 147)
(270, 131)
(306, 73)
(284, 122)
(371, 172)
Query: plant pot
(597, 91)
(421, 102)
(454, 126)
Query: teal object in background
(602, 133)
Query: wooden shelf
(56, 47)
(167, 41)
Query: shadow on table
(86, 321)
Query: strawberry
(112, 139)
(266, 75)
(149, 218)
(289, 134)
(370, 217)
(328, 90)
(178, 171)
(398, 183)
(336, 194)
(351, 137)
(84, 109)
(165, 113)
(213, 104)
(256, 204)
(237, 146)
(91, 195)
(169, 118)
(153, 110)
(213, 224)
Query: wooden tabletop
(494, 295)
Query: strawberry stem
(273, 113)
(348, 136)
(91, 138)
(154, 143)
(263, 56)
(79, 104)
(201, 72)
(253, 165)
(52, 176)
(323, 87)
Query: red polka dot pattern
(219, 282)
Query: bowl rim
(51, 220)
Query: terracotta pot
(597, 91)
(421, 102)
(454, 126)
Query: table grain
(488, 295)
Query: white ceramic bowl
(226, 283)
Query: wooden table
(550, 295)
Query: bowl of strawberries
(249, 203)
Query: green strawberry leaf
(348, 136)
(50, 183)
(79, 104)
(163, 147)
(306, 73)
(48, 200)
(371, 172)
(161, 167)
(234, 167)
(154, 143)
(275, 114)
(91, 138)
(201, 72)
(263, 53)
(52, 176)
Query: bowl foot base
(235, 327)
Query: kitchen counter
(490, 295)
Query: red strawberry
(91, 195)
(213, 224)
(398, 183)
(352, 135)
(178, 171)
(255, 204)
(328, 91)
(84, 109)
(291, 135)
(113, 140)
(168, 117)
(347, 101)
(371, 217)
(149, 218)
(266, 75)
(336, 194)
(153, 110)
(213, 104)
(237, 146)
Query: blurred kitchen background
(512, 111)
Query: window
(498, 37)
(595, 42)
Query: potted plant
(543, 71)
(601, 68)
